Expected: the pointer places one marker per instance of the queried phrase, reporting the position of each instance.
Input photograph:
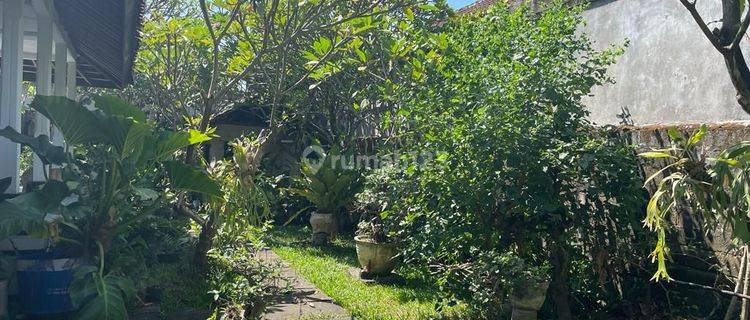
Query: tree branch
(743, 28)
(185, 211)
(690, 6)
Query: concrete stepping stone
(303, 301)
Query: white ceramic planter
(323, 223)
(526, 304)
(376, 259)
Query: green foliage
(507, 273)
(244, 204)
(108, 294)
(32, 212)
(107, 185)
(328, 184)
(48, 153)
(241, 280)
(192, 179)
(112, 152)
(716, 190)
(516, 166)
(378, 219)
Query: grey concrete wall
(669, 74)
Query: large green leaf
(134, 141)
(184, 177)
(108, 295)
(115, 131)
(83, 286)
(114, 106)
(27, 212)
(15, 219)
(47, 152)
(170, 142)
(77, 124)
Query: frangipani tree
(278, 54)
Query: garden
(386, 159)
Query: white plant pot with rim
(376, 259)
(323, 223)
(527, 303)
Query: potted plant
(329, 186)
(104, 186)
(375, 253)
(528, 285)
(376, 232)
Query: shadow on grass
(343, 251)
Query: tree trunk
(731, 19)
(738, 288)
(559, 290)
(209, 230)
(740, 75)
(205, 242)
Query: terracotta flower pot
(376, 259)
(323, 223)
(527, 302)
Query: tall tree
(215, 54)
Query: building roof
(246, 114)
(480, 5)
(104, 35)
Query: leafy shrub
(375, 204)
(241, 280)
(518, 168)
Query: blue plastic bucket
(43, 281)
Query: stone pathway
(304, 301)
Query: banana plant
(106, 184)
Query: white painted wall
(670, 73)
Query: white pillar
(61, 78)
(43, 82)
(10, 89)
(71, 81)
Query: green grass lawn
(328, 268)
